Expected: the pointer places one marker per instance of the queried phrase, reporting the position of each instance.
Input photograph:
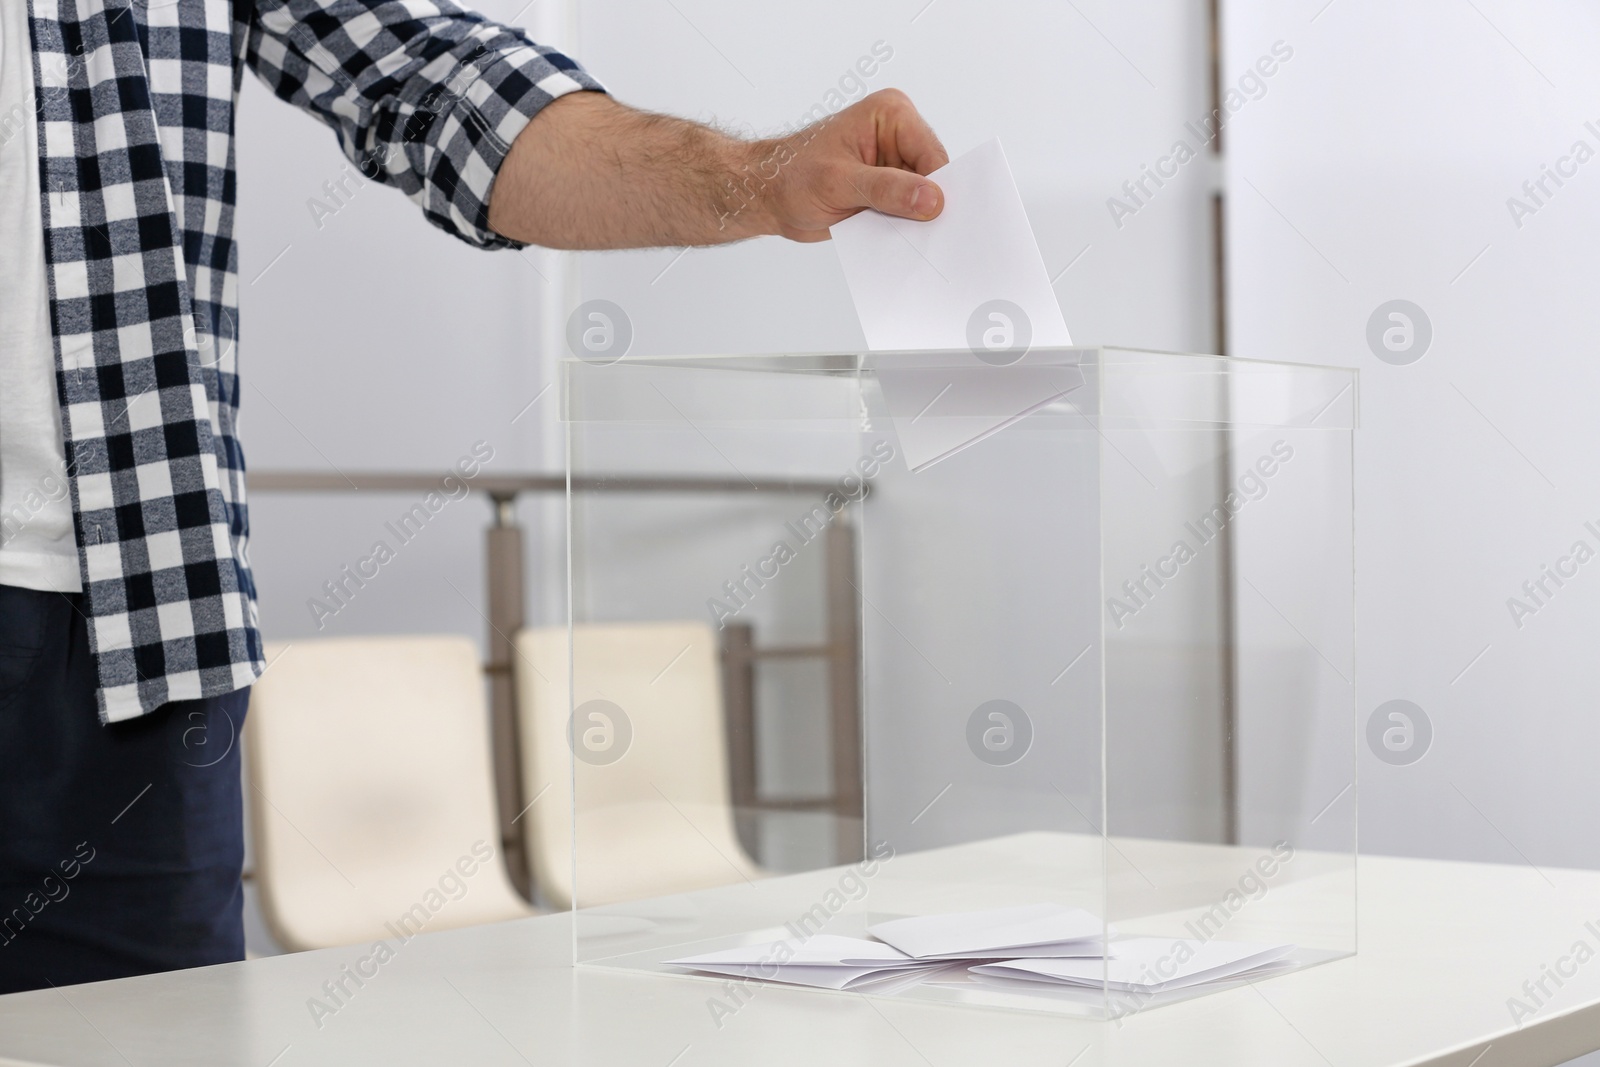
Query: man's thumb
(898, 192)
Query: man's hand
(871, 154)
(589, 172)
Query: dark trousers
(120, 846)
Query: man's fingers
(904, 137)
(897, 192)
(916, 144)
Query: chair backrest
(372, 800)
(651, 777)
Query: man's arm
(590, 173)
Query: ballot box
(985, 679)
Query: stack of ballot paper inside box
(1032, 947)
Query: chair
(656, 814)
(372, 799)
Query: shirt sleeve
(422, 94)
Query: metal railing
(505, 578)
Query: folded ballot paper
(1149, 965)
(1040, 947)
(997, 933)
(826, 961)
(970, 283)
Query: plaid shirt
(136, 112)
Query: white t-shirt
(37, 549)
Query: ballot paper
(1046, 949)
(888, 983)
(819, 949)
(941, 409)
(1149, 965)
(996, 933)
(972, 285)
(852, 979)
(823, 961)
(916, 285)
(879, 980)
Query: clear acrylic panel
(859, 638)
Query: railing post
(739, 717)
(506, 616)
(844, 689)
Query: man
(128, 630)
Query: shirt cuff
(494, 101)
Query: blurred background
(1393, 153)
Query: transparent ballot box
(916, 675)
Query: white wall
(1076, 118)
(1379, 167)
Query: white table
(1443, 947)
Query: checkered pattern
(136, 105)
